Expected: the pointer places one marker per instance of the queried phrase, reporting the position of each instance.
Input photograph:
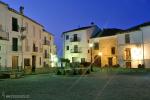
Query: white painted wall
(135, 42)
(83, 44)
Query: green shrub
(59, 72)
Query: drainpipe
(143, 46)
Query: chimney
(21, 10)
(92, 23)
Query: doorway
(33, 63)
(110, 61)
(97, 61)
(14, 62)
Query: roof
(107, 32)
(81, 28)
(3, 3)
(137, 27)
(48, 32)
(15, 11)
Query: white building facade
(21, 42)
(134, 46)
(76, 43)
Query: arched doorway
(97, 61)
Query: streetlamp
(100, 53)
(91, 46)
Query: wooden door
(15, 62)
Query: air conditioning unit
(22, 29)
(23, 37)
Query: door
(14, 62)
(33, 63)
(128, 64)
(97, 61)
(110, 61)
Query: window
(67, 37)
(75, 37)
(96, 46)
(0, 48)
(113, 50)
(15, 24)
(15, 44)
(26, 62)
(88, 51)
(76, 48)
(127, 38)
(67, 48)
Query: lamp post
(91, 46)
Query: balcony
(75, 39)
(46, 42)
(35, 49)
(76, 50)
(46, 55)
(4, 35)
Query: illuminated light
(136, 53)
(100, 53)
(52, 64)
(91, 45)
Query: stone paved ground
(96, 86)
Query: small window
(0, 48)
(67, 37)
(15, 24)
(88, 51)
(67, 48)
(113, 50)
(127, 38)
(96, 46)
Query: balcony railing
(76, 50)
(46, 55)
(4, 35)
(35, 49)
(16, 48)
(75, 39)
(46, 42)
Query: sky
(61, 15)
